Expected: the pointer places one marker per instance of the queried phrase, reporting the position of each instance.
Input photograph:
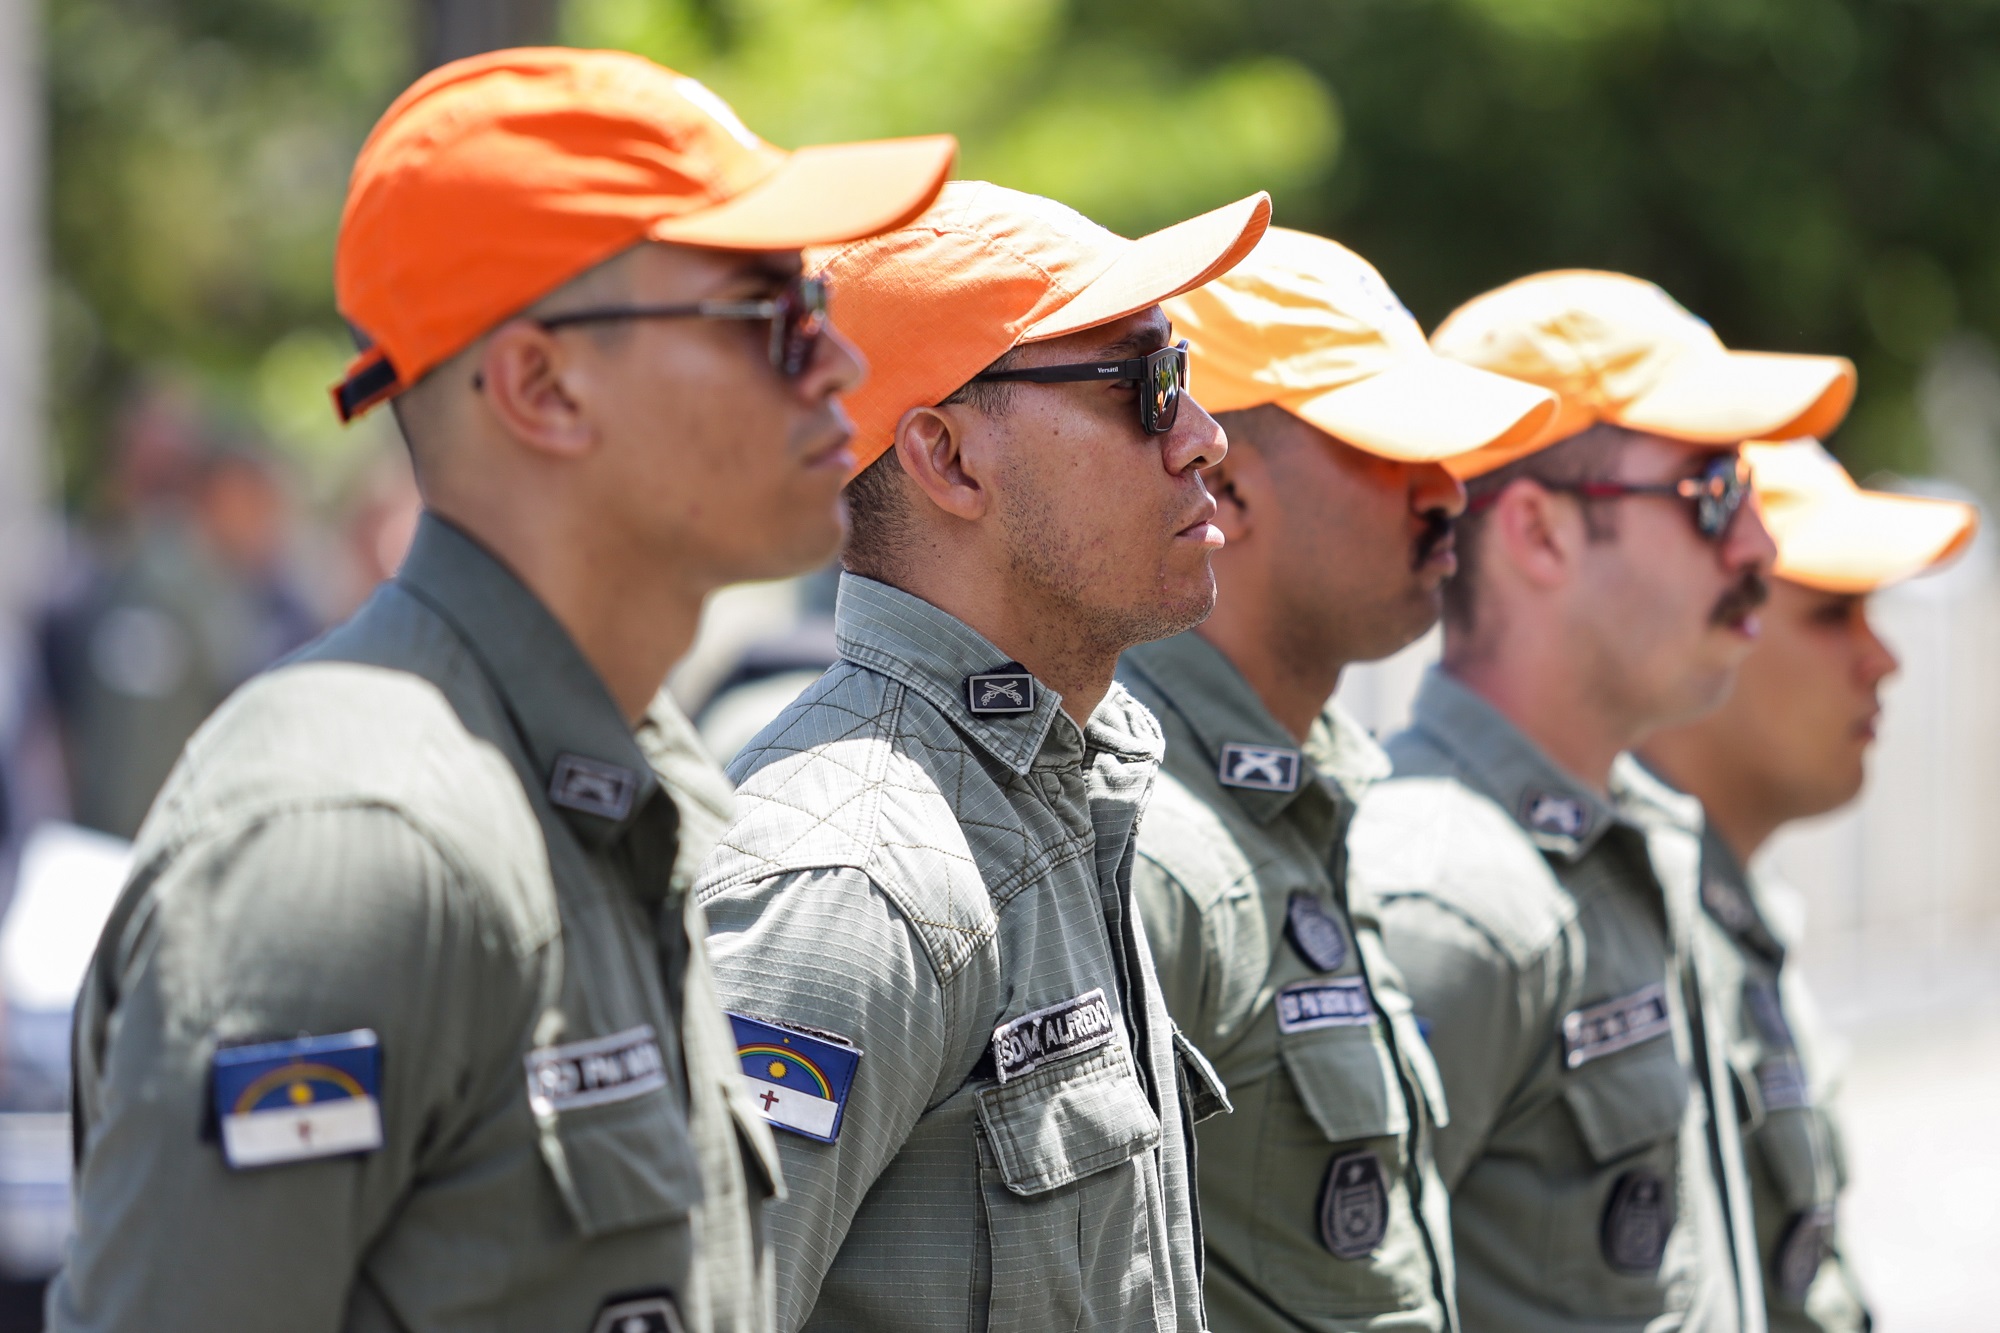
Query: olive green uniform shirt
(1321, 1206)
(434, 825)
(1783, 1076)
(929, 884)
(1543, 934)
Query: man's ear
(930, 445)
(1541, 532)
(529, 382)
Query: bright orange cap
(1310, 325)
(496, 179)
(1620, 350)
(986, 269)
(1834, 536)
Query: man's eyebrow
(1146, 338)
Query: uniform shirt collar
(588, 759)
(1194, 678)
(931, 652)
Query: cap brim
(1735, 396)
(1163, 264)
(1425, 409)
(1866, 540)
(824, 195)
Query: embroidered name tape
(596, 1071)
(592, 786)
(1007, 689)
(292, 1101)
(1314, 933)
(798, 1080)
(638, 1314)
(1782, 1085)
(1305, 1005)
(1081, 1024)
(1258, 767)
(1562, 816)
(1615, 1025)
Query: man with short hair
(922, 918)
(1791, 743)
(1536, 888)
(1321, 1208)
(404, 1021)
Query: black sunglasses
(1162, 377)
(797, 315)
(1717, 493)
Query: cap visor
(1166, 263)
(1426, 408)
(823, 196)
(1868, 539)
(1736, 396)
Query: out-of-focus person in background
(189, 596)
(1321, 1204)
(923, 921)
(1792, 742)
(1537, 888)
(407, 1022)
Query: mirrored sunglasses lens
(800, 321)
(1168, 375)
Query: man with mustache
(1321, 1207)
(404, 1020)
(1792, 743)
(1537, 889)
(922, 919)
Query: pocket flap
(1206, 1094)
(1345, 1078)
(1627, 1101)
(1068, 1120)
(629, 1164)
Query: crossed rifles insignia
(1258, 767)
(1006, 689)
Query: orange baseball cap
(496, 179)
(1618, 349)
(1311, 326)
(987, 268)
(1835, 536)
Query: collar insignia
(1563, 816)
(1003, 690)
(1258, 767)
(593, 787)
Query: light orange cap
(1618, 349)
(986, 269)
(1835, 536)
(1311, 326)
(494, 180)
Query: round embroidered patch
(1314, 933)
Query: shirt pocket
(1066, 1171)
(627, 1164)
(1336, 1100)
(1613, 1236)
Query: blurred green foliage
(1807, 174)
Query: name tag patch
(1081, 1024)
(1615, 1025)
(1306, 1005)
(1258, 767)
(616, 1068)
(293, 1101)
(592, 786)
(1782, 1085)
(1007, 689)
(798, 1080)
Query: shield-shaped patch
(1353, 1206)
(1803, 1248)
(1637, 1222)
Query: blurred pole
(449, 29)
(23, 359)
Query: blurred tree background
(1807, 174)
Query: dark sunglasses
(1717, 492)
(1162, 377)
(797, 315)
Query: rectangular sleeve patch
(293, 1101)
(799, 1080)
(1605, 1029)
(1306, 1005)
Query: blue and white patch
(799, 1080)
(1599, 1030)
(595, 1071)
(1314, 933)
(1258, 767)
(593, 786)
(1558, 816)
(1781, 1083)
(1004, 690)
(294, 1101)
(1304, 1006)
